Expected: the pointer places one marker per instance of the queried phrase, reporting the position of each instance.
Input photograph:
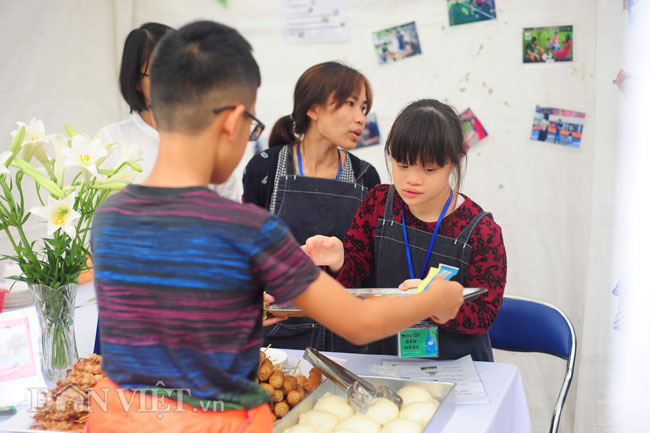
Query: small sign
(418, 342)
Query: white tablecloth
(507, 411)
(85, 324)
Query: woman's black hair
(138, 47)
(314, 87)
(428, 132)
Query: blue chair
(529, 325)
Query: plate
(276, 356)
(290, 310)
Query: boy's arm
(361, 322)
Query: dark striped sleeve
(279, 264)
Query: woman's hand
(410, 284)
(268, 299)
(325, 251)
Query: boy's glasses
(256, 127)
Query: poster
(548, 44)
(473, 129)
(396, 43)
(315, 21)
(20, 363)
(558, 126)
(370, 135)
(470, 11)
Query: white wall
(553, 203)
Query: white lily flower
(125, 175)
(32, 144)
(84, 153)
(4, 156)
(59, 143)
(129, 153)
(60, 214)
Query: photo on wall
(470, 11)
(396, 43)
(370, 135)
(473, 129)
(558, 126)
(548, 44)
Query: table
(85, 324)
(507, 411)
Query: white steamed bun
(359, 424)
(334, 404)
(321, 421)
(402, 425)
(420, 411)
(300, 429)
(382, 410)
(412, 393)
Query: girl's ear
(314, 112)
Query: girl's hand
(268, 299)
(325, 251)
(410, 284)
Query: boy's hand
(325, 251)
(268, 299)
(449, 298)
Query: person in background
(307, 177)
(185, 322)
(533, 51)
(402, 230)
(564, 53)
(558, 131)
(139, 128)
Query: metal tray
(290, 310)
(441, 391)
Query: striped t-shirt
(179, 275)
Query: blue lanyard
(338, 176)
(433, 237)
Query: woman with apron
(402, 230)
(307, 176)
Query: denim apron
(312, 206)
(391, 269)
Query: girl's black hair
(428, 132)
(138, 47)
(314, 87)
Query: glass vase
(55, 308)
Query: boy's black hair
(138, 48)
(427, 132)
(201, 67)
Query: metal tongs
(360, 392)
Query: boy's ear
(231, 121)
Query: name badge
(420, 341)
